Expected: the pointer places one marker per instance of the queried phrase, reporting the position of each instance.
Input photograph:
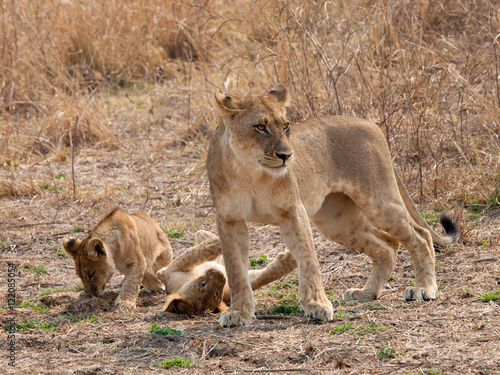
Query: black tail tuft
(450, 227)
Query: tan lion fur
(196, 281)
(335, 171)
(131, 244)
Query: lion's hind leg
(341, 221)
(393, 217)
(381, 249)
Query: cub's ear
(175, 304)
(222, 307)
(71, 246)
(280, 94)
(96, 249)
(226, 104)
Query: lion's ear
(280, 94)
(71, 246)
(222, 307)
(96, 249)
(226, 105)
(176, 304)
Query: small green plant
(474, 216)
(76, 288)
(81, 318)
(288, 304)
(275, 289)
(362, 330)
(35, 324)
(38, 269)
(391, 278)
(77, 229)
(493, 296)
(172, 233)
(60, 175)
(359, 330)
(260, 261)
(437, 265)
(411, 282)
(373, 306)
(431, 371)
(164, 331)
(386, 352)
(32, 305)
(340, 329)
(431, 218)
(61, 252)
(287, 308)
(176, 362)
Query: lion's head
(198, 295)
(91, 263)
(258, 128)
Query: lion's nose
(284, 156)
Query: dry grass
(426, 72)
(109, 103)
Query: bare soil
(148, 168)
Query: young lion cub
(196, 281)
(132, 244)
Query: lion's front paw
(125, 305)
(425, 294)
(233, 318)
(319, 311)
(358, 294)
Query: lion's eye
(286, 127)
(91, 275)
(261, 128)
(202, 284)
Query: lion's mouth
(280, 166)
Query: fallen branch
(270, 370)
(485, 259)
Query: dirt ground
(459, 333)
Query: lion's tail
(449, 225)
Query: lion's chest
(250, 201)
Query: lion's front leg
(130, 286)
(297, 234)
(235, 242)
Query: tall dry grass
(426, 72)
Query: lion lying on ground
(335, 171)
(196, 281)
(132, 244)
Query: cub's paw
(125, 305)
(233, 318)
(358, 294)
(203, 235)
(319, 311)
(425, 294)
(154, 288)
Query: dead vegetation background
(106, 103)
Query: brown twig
(73, 158)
